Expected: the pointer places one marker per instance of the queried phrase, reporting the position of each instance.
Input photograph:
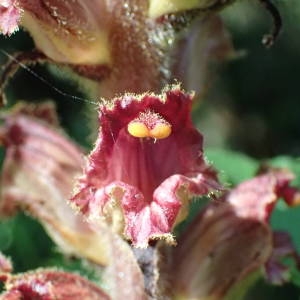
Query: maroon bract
(142, 182)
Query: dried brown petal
(38, 174)
(217, 251)
(232, 238)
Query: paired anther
(149, 125)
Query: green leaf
(293, 270)
(30, 245)
(6, 234)
(233, 167)
(290, 163)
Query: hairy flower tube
(146, 165)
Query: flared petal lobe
(257, 197)
(141, 177)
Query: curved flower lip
(145, 183)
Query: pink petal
(256, 198)
(5, 264)
(10, 15)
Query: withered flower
(99, 39)
(39, 170)
(231, 239)
(38, 174)
(146, 165)
(120, 44)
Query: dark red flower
(146, 165)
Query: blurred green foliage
(26, 242)
(233, 167)
(253, 105)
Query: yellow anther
(161, 131)
(138, 129)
